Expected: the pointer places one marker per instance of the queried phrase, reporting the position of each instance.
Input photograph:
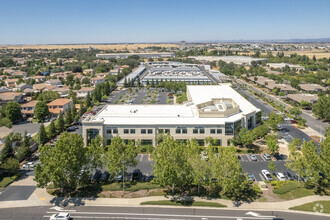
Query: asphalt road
(24, 126)
(151, 213)
(291, 131)
(312, 122)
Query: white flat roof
(175, 114)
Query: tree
(295, 111)
(68, 116)
(88, 101)
(119, 156)
(324, 165)
(244, 138)
(228, 173)
(272, 166)
(51, 130)
(12, 111)
(41, 111)
(48, 96)
(274, 119)
(172, 168)
(95, 152)
(62, 165)
(304, 104)
(7, 150)
(260, 131)
(11, 165)
(42, 135)
(60, 125)
(23, 151)
(272, 144)
(321, 107)
(6, 122)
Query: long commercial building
(216, 111)
(142, 55)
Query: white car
(280, 176)
(267, 175)
(29, 165)
(60, 216)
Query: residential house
(97, 80)
(59, 105)
(27, 109)
(11, 96)
(40, 87)
(63, 91)
(4, 89)
(310, 98)
(82, 93)
(39, 79)
(24, 86)
(19, 73)
(114, 71)
(88, 71)
(54, 82)
(11, 83)
(312, 88)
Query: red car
(293, 121)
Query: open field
(310, 53)
(117, 47)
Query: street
(101, 212)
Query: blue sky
(107, 21)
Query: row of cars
(280, 176)
(136, 175)
(253, 157)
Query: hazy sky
(106, 21)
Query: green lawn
(132, 187)
(5, 181)
(194, 203)
(320, 206)
(292, 190)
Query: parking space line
(262, 178)
(141, 158)
(248, 158)
(263, 158)
(242, 158)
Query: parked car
(96, 176)
(119, 177)
(61, 216)
(29, 165)
(136, 175)
(289, 176)
(251, 177)
(105, 176)
(293, 121)
(70, 129)
(267, 175)
(253, 157)
(266, 156)
(280, 176)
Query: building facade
(216, 111)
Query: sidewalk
(41, 198)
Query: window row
(196, 130)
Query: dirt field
(117, 47)
(310, 53)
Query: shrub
(287, 187)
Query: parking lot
(138, 96)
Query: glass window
(91, 134)
(212, 131)
(200, 142)
(229, 128)
(228, 142)
(219, 131)
(149, 131)
(250, 122)
(178, 131)
(146, 142)
(184, 130)
(217, 142)
(108, 131)
(160, 131)
(237, 127)
(167, 131)
(109, 142)
(115, 131)
(132, 131)
(201, 130)
(258, 117)
(126, 131)
(143, 131)
(195, 130)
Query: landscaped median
(5, 181)
(291, 190)
(317, 206)
(184, 203)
